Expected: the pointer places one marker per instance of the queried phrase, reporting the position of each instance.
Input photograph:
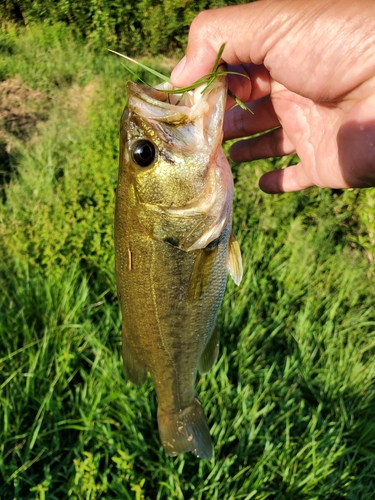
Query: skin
(311, 65)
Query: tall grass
(291, 399)
(138, 27)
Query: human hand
(311, 65)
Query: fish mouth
(204, 106)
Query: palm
(310, 130)
(319, 132)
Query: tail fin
(185, 431)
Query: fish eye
(143, 152)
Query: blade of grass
(214, 67)
(151, 70)
(239, 102)
(218, 57)
(134, 75)
(201, 81)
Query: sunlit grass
(291, 400)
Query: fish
(174, 247)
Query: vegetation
(291, 399)
(135, 27)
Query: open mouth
(187, 99)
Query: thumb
(208, 31)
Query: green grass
(291, 400)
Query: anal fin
(234, 260)
(211, 352)
(135, 370)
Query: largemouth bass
(174, 248)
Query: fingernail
(178, 69)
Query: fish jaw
(204, 113)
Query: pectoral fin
(210, 353)
(201, 273)
(135, 371)
(234, 260)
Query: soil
(21, 109)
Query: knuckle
(200, 22)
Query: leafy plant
(142, 27)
